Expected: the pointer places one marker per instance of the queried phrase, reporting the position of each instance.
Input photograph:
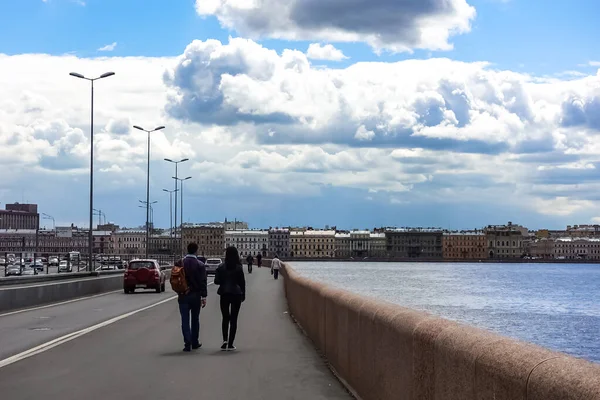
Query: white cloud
(250, 119)
(316, 51)
(108, 47)
(383, 24)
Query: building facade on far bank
(342, 245)
(248, 242)
(312, 243)
(506, 241)
(464, 245)
(210, 239)
(378, 245)
(414, 243)
(279, 242)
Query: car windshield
(141, 264)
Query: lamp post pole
(181, 225)
(148, 207)
(170, 212)
(176, 190)
(91, 235)
(148, 184)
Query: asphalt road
(140, 356)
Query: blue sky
(494, 122)
(512, 34)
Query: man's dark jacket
(195, 275)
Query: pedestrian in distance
(189, 281)
(259, 260)
(232, 290)
(275, 267)
(249, 260)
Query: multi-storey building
(128, 243)
(506, 241)
(164, 243)
(577, 248)
(102, 242)
(541, 248)
(360, 243)
(279, 242)
(464, 245)
(378, 245)
(248, 242)
(414, 243)
(19, 216)
(48, 241)
(583, 230)
(312, 244)
(342, 245)
(210, 239)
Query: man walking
(275, 266)
(193, 299)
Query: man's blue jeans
(190, 304)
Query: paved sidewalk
(140, 357)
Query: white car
(64, 266)
(212, 264)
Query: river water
(553, 305)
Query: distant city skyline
(464, 113)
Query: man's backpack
(178, 281)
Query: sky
(356, 114)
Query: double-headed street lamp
(148, 207)
(91, 235)
(148, 184)
(46, 216)
(170, 209)
(181, 190)
(176, 176)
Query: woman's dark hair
(232, 258)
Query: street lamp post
(46, 216)
(176, 176)
(90, 235)
(148, 207)
(181, 225)
(148, 183)
(170, 209)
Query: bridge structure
(297, 339)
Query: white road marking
(58, 304)
(71, 336)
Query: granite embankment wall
(383, 351)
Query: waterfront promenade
(140, 357)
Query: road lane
(27, 329)
(140, 357)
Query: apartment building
(541, 248)
(577, 248)
(312, 244)
(248, 242)
(464, 245)
(164, 243)
(128, 243)
(342, 245)
(279, 242)
(414, 243)
(506, 241)
(378, 245)
(210, 239)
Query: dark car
(144, 274)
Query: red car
(144, 274)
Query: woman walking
(232, 289)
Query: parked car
(64, 266)
(212, 264)
(28, 270)
(53, 261)
(13, 270)
(144, 274)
